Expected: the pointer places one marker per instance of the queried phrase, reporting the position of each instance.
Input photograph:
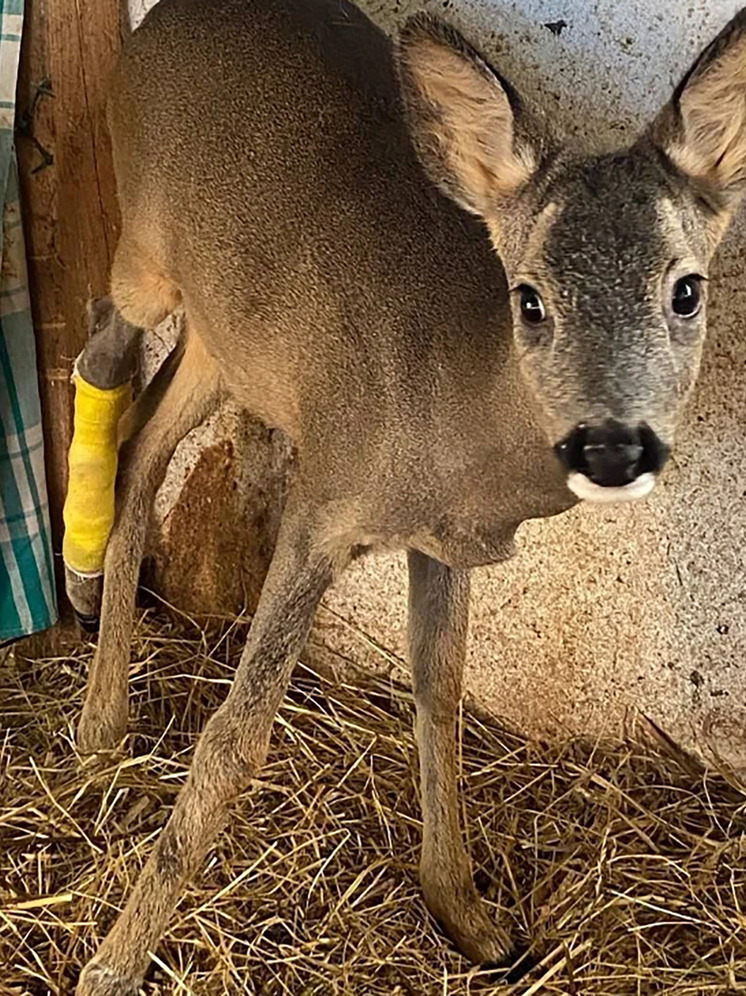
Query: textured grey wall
(604, 612)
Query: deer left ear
(462, 117)
(702, 129)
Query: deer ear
(462, 116)
(702, 129)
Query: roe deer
(459, 324)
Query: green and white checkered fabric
(27, 594)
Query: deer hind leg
(102, 377)
(230, 752)
(189, 393)
(438, 615)
(142, 297)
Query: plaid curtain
(27, 594)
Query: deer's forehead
(607, 212)
(611, 218)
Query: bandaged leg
(103, 391)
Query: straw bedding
(624, 865)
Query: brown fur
(466, 133)
(704, 128)
(268, 182)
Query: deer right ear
(702, 129)
(462, 117)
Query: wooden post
(69, 202)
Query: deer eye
(532, 306)
(686, 300)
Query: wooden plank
(68, 192)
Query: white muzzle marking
(584, 488)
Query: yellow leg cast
(89, 506)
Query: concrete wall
(605, 612)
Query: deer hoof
(98, 979)
(99, 730)
(463, 915)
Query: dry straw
(624, 865)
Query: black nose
(612, 454)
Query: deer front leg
(438, 616)
(185, 389)
(230, 752)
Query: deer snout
(611, 461)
